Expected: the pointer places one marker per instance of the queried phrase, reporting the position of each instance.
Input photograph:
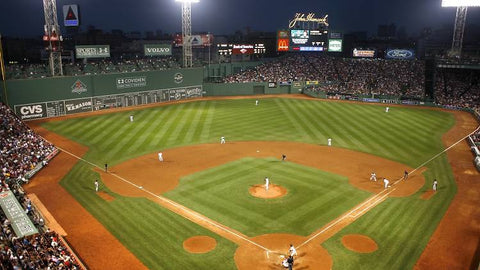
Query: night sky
(24, 18)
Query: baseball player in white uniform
(387, 109)
(96, 185)
(256, 102)
(373, 177)
(160, 156)
(267, 183)
(329, 142)
(131, 118)
(292, 250)
(385, 183)
(435, 185)
(222, 140)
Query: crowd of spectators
(104, 66)
(20, 151)
(43, 250)
(459, 89)
(20, 148)
(342, 75)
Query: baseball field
(205, 206)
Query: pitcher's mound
(359, 243)
(274, 191)
(199, 244)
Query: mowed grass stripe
(108, 134)
(147, 126)
(301, 117)
(293, 120)
(210, 113)
(161, 133)
(131, 135)
(354, 126)
(178, 133)
(193, 129)
(385, 140)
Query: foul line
(396, 182)
(343, 217)
(174, 204)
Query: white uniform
(131, 118)
(329, 142)
(96, 185)
(385, 182)
(160, 156)
(267, 183)
(435, 184)
(373, 177)
(293, 251)
(256, 102)
(222, 140)
(387, 109)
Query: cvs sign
(31, 111)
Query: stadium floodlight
(187, 31)
(460, 18)
(460, 3)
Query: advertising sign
(307, 18)
(401, 54)
(78, 105)
(203, 40)
(363, 53)
(92, 51)
(283, 45)
(157, 49)
(70, 15)
(131, 82)
(242, 49)
(31, 111)
(20, 222)
(334, 45)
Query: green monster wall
(63, 88)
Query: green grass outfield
(401, 226)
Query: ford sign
(400, 54)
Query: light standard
(460, 19)
(187, 31)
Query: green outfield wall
(49, 97)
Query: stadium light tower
(52, 37)
(460, 19)
(187, 31)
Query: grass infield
(400, 226)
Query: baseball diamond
(201, 191)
